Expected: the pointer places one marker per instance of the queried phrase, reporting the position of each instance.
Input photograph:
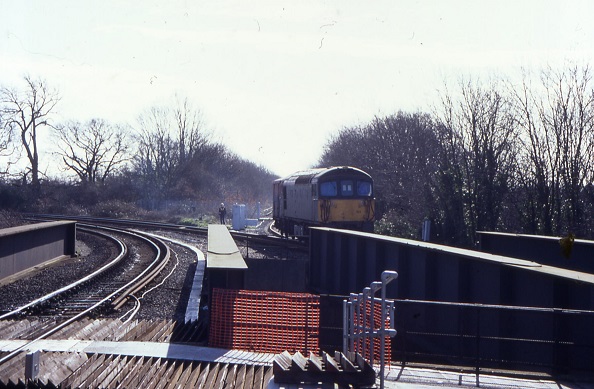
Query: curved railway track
(39, 302)
(103, 290)
(109, 287)
(270, 237)
(102, 306)
(252, 242)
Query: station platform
(222, 250)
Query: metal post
(426, 230)
(390, 317)
(375, 286)
(353, 324)
(31, 366)
(387, 276)
(478, 343)
(345, 325)
(366, 294)
(359, 346)
(391, 332)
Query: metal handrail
(478, 359)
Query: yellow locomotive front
(345, 200)
(339, 197)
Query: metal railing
(483, 336)
(363, 325)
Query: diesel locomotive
(337, 197)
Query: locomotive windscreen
(364, 188)
(328, 189)
(346, 188)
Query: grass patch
(190, 221)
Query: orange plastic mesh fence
(262, 321)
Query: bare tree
(6, 135)
(399, 152)
(479, 144)
(168, 141)
(156, 158)
(26, 112)
(191, 134)
(557, 121)
(93, 150)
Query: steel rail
(126, 222)
(96, 305)
(157, 266)
(274, 239)
(149, 273)
(117, 259)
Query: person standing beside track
(222, 213)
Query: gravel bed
(169, 299)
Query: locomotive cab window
(328, 189)
(346, 188)
(364, 188)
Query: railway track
(77, 296)
(107, 288)
(269, 237)
(38, 303)
(103, 307)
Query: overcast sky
(275, 79)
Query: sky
(275, 80)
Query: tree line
(167, 156)
(491, 156)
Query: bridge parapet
(24, 247)
(563, 252)
(459, 306)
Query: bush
(117, 209)
(392, 224)
(10, 219)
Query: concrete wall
(31, 245)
